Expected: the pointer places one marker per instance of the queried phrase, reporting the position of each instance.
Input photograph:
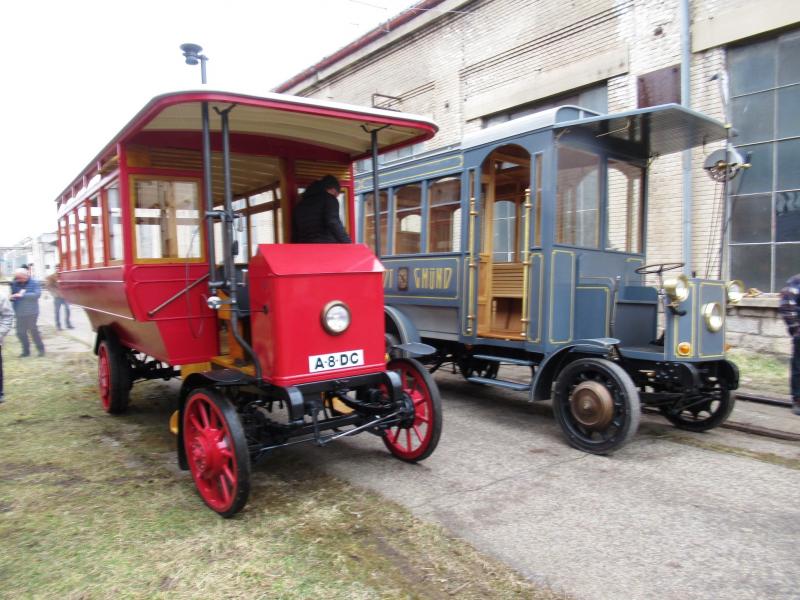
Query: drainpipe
(688, 208)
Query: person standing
(6, 318)
(25, 294)
(54, 287)
(315, 219)
(790, 311)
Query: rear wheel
(709, 409)
(113, 377)
(596, 405)
(216, 450)
(417, 439)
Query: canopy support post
(229, 275)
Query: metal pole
(227, 236)
(203, 60)
(207, 192)
(725, 192)
(688, 208)
(376, 193)
(227, 211)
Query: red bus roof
(342, 128)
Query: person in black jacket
(316, 217)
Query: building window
(594, 98)
(764, 230)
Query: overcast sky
(72, 73)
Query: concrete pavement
(671, 515)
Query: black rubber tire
(627, 411)
(236, 439)
(115, 394)
(716, 416)
(434, 402)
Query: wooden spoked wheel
(418, 438)
(113, 377)
(596, 405)
(216, 450)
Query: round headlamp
(712, 313)
(677, 288)
(734, 291)
(335, 317)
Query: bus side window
(408, 219)
(167, 219)
(369, 220)
(73, 240)
(444, 215)
(114, 223)
(266, 218)
(624, 207)
(578, 198)
(96, 220)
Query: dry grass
(761, 373)
(93, 506)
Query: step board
(502, 359)
(509, 385)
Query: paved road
(671, 516)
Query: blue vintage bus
(524, 247)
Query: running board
(502, 359)
(509, 385)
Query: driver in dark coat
(315, 219)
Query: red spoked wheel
(216, 450)
(416, 440)
(113, 377)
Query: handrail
(526, 262)
(472, 266)
(171, 299)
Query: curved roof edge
(269, 100)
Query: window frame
(145, 176)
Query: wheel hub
(592, 405)
(207, 455)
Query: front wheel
(418, 439)
(216, 450)
(596, 405)
(113, 377)
(709, 409)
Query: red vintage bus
(176, 240)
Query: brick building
(471, 64)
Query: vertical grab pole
(376, 203)
(207, 192)
(227, 235)
(227, 210)
(526, 261)
(472, 264)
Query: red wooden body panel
(184, 331)
(289, 287)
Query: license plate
(336, 360)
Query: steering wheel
(658, 268)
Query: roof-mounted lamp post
(191, 52)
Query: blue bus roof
(659, 130)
